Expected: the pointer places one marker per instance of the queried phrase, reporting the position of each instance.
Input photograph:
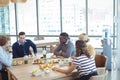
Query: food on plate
(34, 71)
(19, 62)
(14, 63)
(38, 60)
(46, 66)
(37, 72)
(30, 56)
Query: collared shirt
(66, 50)
(20, 42)
(5, 58)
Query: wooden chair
(100, 60)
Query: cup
(44, 55)
(26, 59)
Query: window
(4, 20)
(73, 16)
(12, 19)
(49, 17)
(26, 17)
(100, 16)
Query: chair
(101, 70)
(102, 74)
(39, 38)
(0, 76)
(100, 60)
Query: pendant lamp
(17, 1)
(4, 2)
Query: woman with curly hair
(90, 48)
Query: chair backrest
(39, 38)
(102, 76)
(101, 70)
(100, 60)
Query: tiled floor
(114, 75)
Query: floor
(114, 75)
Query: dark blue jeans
(4, 74)
(85, 77)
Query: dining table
(23, 71)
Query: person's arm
(65, 71)
(69, 51)
(14, 50)
(5, 57)
(33, 46)
(57, 50)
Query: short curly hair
(83, 37)
(64, 34)
(4, 40)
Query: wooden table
(23, 72)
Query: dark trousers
(4, 74)
(85, 77)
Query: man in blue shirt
(66, 47)
(22, 46)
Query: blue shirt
(20, 50)
(66, 50)
(5, 58)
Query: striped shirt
(85, 65)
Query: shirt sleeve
(14, 51)
(5, 57)
(69, 50)
(33, 46)
(57, 50)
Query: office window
(26, 17)
(100, 16)
(12, 19)
(49, 17)
(73, 16)
(4, 20)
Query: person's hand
(35, 54)
(8, 49)
(54, 69)
(73, 57)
